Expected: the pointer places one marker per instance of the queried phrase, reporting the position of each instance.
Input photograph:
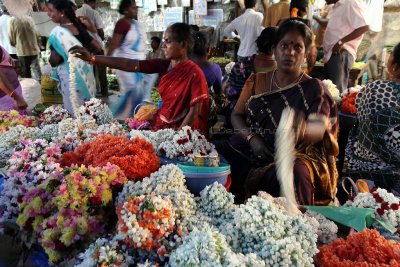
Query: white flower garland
(54, 114)
(327, 230)
(333, 90)
(95, 109)
(73, 95)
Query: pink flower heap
(30, 165)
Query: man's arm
(353, 35)
(229, 30)
(321, 21)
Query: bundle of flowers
(168, 181)
(95, 109)
(207, 247)
(104, 252)
(386, 205)
(147, 224)
(137, 124)
(186, 144)
(155, 138)
(348, 103)
(333, 90)
(366, 248)
(74, 212)
(272, 234)
(48, 132)
(12, 118)
(54, 114)
(30, 165)
(135, 157)
(326, 229)
(216, 203)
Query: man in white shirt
(248, 26)
(88, 11)
(4, 29)
(343, 35)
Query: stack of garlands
(135, 157)
(12, 118)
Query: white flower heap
(186, 144)
(168, 181)
(208, 247)
(95, 109)
(333, 90)
(355, 89)
(216, 203)
(148, 225)
(155, 138)
(104, 252)
(30, 165)
(327, 230)
(274, 236)
(386, 205)
(54, 114)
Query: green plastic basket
(191, 168)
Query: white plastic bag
(31, 91)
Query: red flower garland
(135, 157)
(366, 248)
(348, 104)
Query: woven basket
(50, 93)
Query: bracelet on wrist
(249, 137)
(92, 60)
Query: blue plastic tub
(190, 168)
(198, 181)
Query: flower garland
(348, 104)
(135, 157)
(168, 181)
(333, 90)
(95, 109)
(147, 224)
(77, 209)
(208, 247)
(54, 114)
(366, 248)
(12, 118)
(73, 95)
(386, 205)
(326, 229)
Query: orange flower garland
(366, 248)
(348, 104)
(135, 157)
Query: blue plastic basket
(196, 182)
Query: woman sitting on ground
(10, 89)
(373, 150)
(183, 87)
(264, 61)
(257, 115)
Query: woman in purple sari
(10, 89)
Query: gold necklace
(293, 83)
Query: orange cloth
(276, 12)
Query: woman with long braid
(69, 33)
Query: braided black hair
(200, 44)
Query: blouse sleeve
(245, 95)
(218, 78)
(156, 65)
(199, 88)
(122, 27)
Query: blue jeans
(338, 68)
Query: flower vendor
(373, 148)
(183, 87)
(257, 114)
(10, 89)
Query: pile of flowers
(135, 157)
(333, 90)
(142, 119)
(30, 165)
(348, 103)
(367, 248)
(148, 225)
(12, 118)
(54, 114)
(326, 229)
(95, 109)
(386, 205)
(66, 214)
(182, 145)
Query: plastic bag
(31, 92)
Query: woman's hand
(260, 150)
(80, 52)
(88, 24)
(20, 102)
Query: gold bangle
(92, 60)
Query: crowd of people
(268, 77)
